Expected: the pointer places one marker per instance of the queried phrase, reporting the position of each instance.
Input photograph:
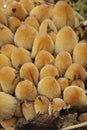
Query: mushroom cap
(42, 42)
(7, 106)
(32, 21)
(79, 83)
(49, 87)
(18, 112)
(27, 4)
(30, 72)
(63, 15)
(43, 57)
(83, 117)
(66, 40)
(8, 79)
(3, 16)
(13, 23)
(25, 90)
(75, 96)
(7, 49)
(62, 61)
(76, 71)
(8, 123)
(41, 12)
(14, 8)
(20, 56)
(57, 105)
(6, 35)
(80, 53)
(28, 110)
(53, 36)
(41, 105)
(49, 70)
(7, 74)
(4, 61)
(47, 26)
(63, 82)
(24, 36)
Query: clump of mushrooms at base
(43, 66)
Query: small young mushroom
(3, 16)
(14, 8)
(13, 23)
(4, 61)
(7, 50)
(49, 87)
(43, 57)
(32, 21)
(41, 105)
(62, 61)
(6, 36)
(83, 117)
(30, 72)
(25, 90)
(24, 36)
(27, 4)
(76, 71)
(49, 70)
(7, 106)
(80, 53)
(75, 96)
(63, 15)
(20, 56)
(41, 12)
(42, 42)
(8, 79)
(28, 110)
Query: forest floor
(80, 7)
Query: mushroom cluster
(43, 65)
